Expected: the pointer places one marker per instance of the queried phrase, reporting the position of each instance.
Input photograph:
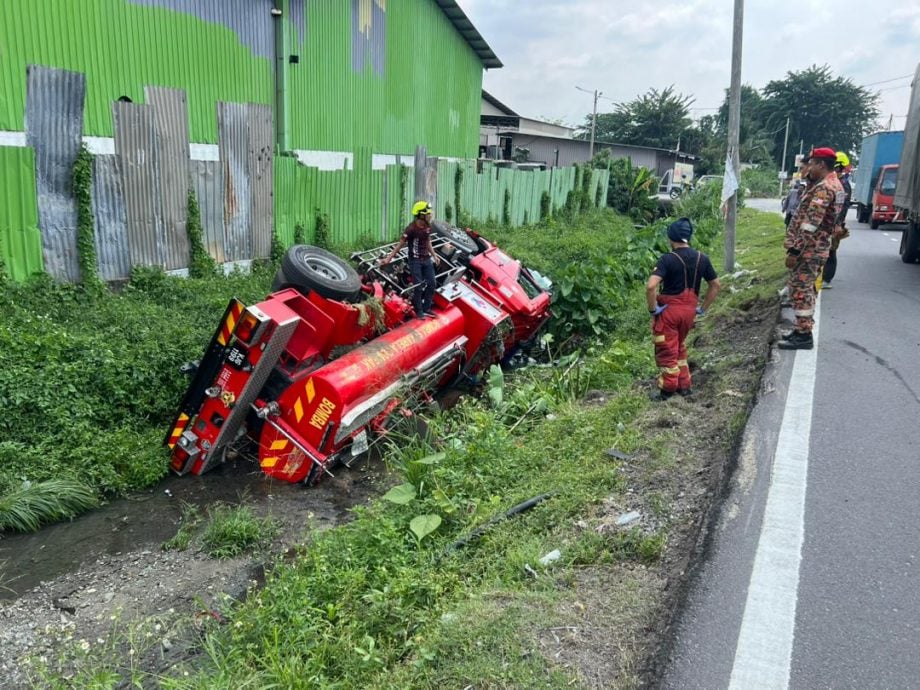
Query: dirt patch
(615, 629)
(102, 583)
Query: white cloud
(549, 47)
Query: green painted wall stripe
(20, 239)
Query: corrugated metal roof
(459, 19)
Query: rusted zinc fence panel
(259, 162)
(20, 238)
(113, 253)
(54, 127)
(170, 114)
(233, 138)
(136, 149)
(208, 185)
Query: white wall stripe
(17, 139)
(100, 146)
(763, 656)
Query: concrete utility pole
(785, 147)
(593, 117)
(734, 133)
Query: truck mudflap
(207, 369)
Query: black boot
(797, 340)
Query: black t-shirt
(671, 270)
(416, 238)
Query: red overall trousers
(670, 329)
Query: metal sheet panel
(208, 184)
(233, 133)
(113, 253)
(135, 146)
(383, 66)
(20, 238)
(170, 111)
(54, 127)
(261, 151)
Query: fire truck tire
(875, 223)
(312, 268)
(455, 235)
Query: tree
(823, 110)
(656, 118)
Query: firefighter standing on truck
(417, 237)
(679, 275)
(808, 243)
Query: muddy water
(147, 519)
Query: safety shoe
(659, 395)
(827, 286)
(429, 314)
(797, 341)
(685, 392)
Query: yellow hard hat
(843, 160)
(421, 208)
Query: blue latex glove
(660, 308)
(700, 311)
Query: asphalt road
(834, 577)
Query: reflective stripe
(659, 338)
(669, 370)
(682, 363)
(809, 227)
(805, 312)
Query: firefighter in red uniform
(678, 274)
(808, 243)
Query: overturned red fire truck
(321, 365)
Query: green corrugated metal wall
(121, 48)
(20, 239)
(482, 195)
(365, 203)
(430, 93)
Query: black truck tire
(311, 268)
(455, 236)
(861, 213)
(875, 223)
(910, 243)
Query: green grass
(233, 530)
(30, 505)
(367, 604)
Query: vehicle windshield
(889, 182)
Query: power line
(885, 81)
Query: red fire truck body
(321, 365)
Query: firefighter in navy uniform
(672, 296)
(808, 243)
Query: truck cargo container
(881, 148)
(907, 191)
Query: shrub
(631, 191)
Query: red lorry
(324, 362)
(883, 208)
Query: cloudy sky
(548, 47)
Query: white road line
(763, 655)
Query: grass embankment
(89, 381)
(386, 602)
